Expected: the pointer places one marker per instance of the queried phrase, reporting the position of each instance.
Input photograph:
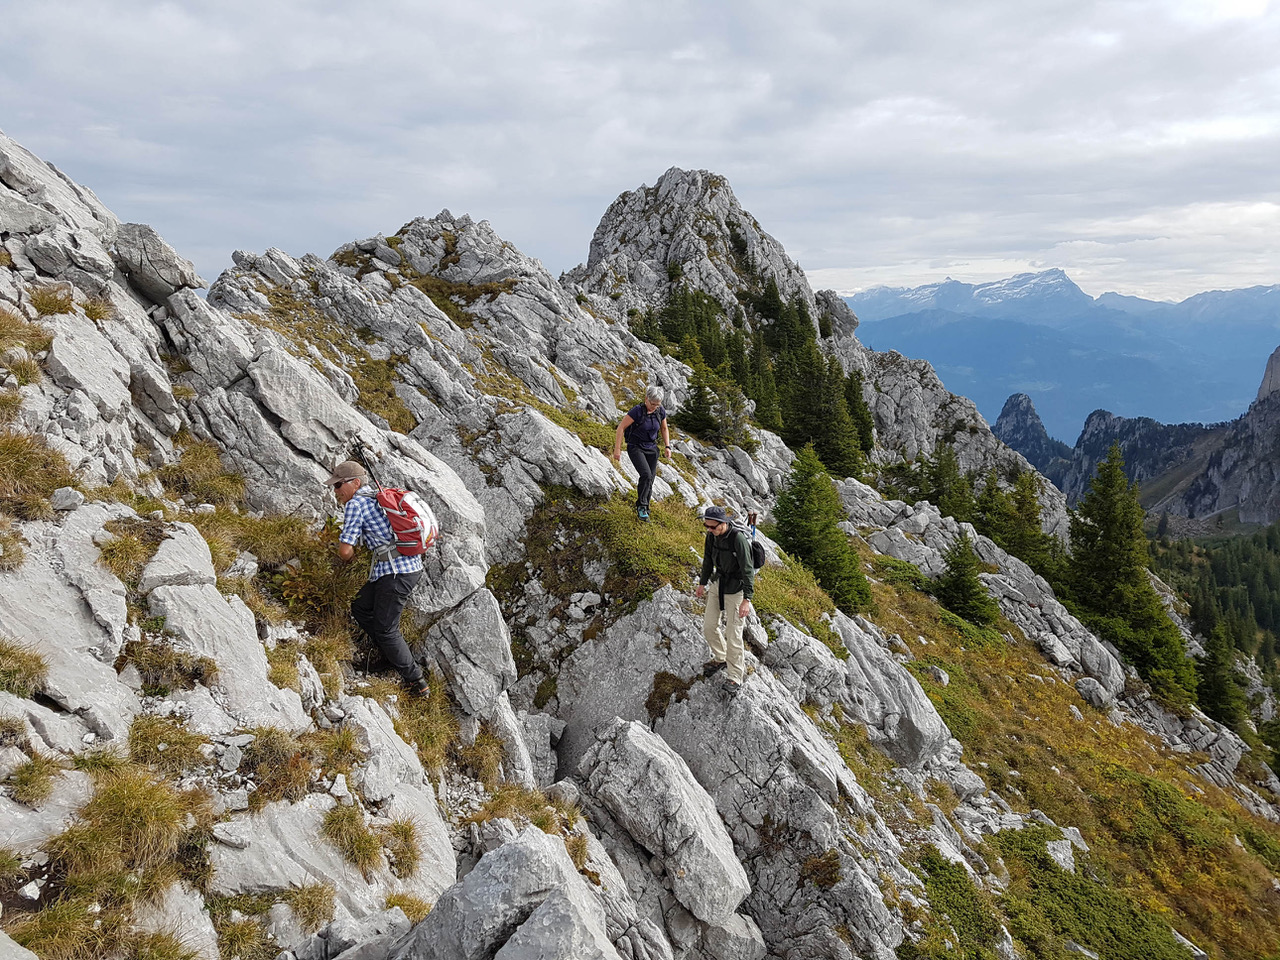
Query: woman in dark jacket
(641, 427)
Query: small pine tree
(695, 414)
(1219, 694)
(859, 412)
(960, 590)
(808, 512)
(950, 490)
(1109, 580)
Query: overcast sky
(1134, 144)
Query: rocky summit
(199, 758)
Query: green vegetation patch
(1162, 839)
(792, 592)
(900, 573)
(666, 686)
(165, 745)
(970, 917)
(1047, 906)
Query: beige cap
(348, 470)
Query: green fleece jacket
(728, 559)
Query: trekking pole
(361, 453)
(751, 519)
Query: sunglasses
(711, 526)
(340, 484)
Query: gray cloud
(1131, 143)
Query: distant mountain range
(1039, 334)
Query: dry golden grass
(6, 258)
(13, 733)
(245, 939)
(10, 406)
(23, 671)
(32, 782)
(281, 764)
(26, 370)
(18, 332)
(360, 846)
(164, 668)
(50, 300)
(400, 837)
(313, 905)
(126, 555)
(200, 475)
(415, 908)
(336, 751)
(165, 745)
(99, 308)
(485, 757)
(29, 473)
(12, 553)
(1165, 838)
(521, 805)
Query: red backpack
(413, 523)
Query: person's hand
(744, 608)
(616, 455)
(700, 592)
(668, 453)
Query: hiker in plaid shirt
(379, 603)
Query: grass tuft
(281, 764)
(313, 905)
(13, 733)
(11, 549)
(32, 783)
(26, 370)
(10, 405)
(164, 668)
(792, 592)
(400, 837)
(30, 470)
(360, 846)
(50, 300)
(521, 805)
(200, 475)
(99, 308)
(427, 722)
(245, 938)
(415, 908)
(22, 670)
(485, 756)
(165, 745)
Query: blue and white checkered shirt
(364, 520)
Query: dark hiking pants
(377, 609)
(646, 464)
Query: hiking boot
(731, 687)
(643, 513)
(711, 666)
(419, 688)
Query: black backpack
(757, 548)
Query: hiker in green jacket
(726, 564)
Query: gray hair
(653, 392)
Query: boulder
(151, 264)
(182, 560)
(473, 647)
(481, 913)
(649, 790)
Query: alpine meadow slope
(198, 759)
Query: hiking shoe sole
(711, 667)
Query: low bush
(23, 671)
(900, 573)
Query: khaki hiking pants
(732, 653)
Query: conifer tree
(764, 389)
(695, 413)
(950, 490)
(1108, 579)
(1219, 694)
(960, 590)
(808, 512)
(860, 413)
(836, 438)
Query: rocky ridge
(709, 828)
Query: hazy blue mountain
(1040, 334)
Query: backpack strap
(382, 552)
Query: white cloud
(1130, 142)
